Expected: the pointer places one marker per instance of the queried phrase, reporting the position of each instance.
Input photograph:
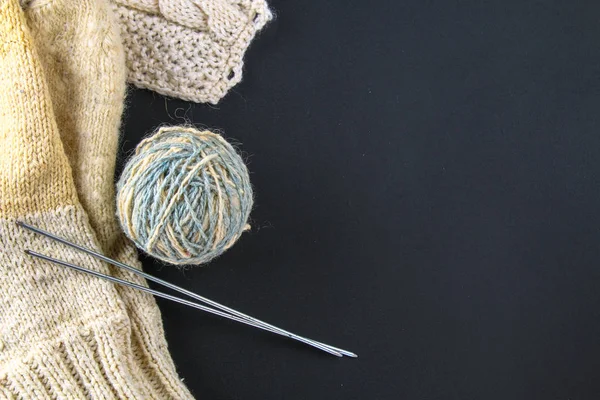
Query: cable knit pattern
(189, 49)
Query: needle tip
(19, 223)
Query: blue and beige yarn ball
(185, 196)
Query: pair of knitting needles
(224, 312)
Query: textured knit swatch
(189, 49)
(64, 334)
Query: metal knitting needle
(256, 322)
(167, 296)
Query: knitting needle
(205, 300)
(256, 322)
(167, 296)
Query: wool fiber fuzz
(185, 196)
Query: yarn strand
(185, 196)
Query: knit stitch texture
(189, 49)
(64, 334)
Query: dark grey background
(427, 192)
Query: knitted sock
(190, 49)
(62, 334)
(84, 64)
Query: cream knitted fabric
(190, 49)
(80, 51)
(64, 334)
(85, 68)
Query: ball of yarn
(185, 196)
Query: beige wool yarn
(189, 49)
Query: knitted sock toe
(83, 58)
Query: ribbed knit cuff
(86, 362)
(64, 334)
